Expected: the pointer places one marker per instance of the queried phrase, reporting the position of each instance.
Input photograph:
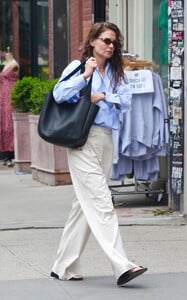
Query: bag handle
(74, 71)
(87, 88)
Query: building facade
(45, 35)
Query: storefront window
(160, 38)
(144, 24)
(24, 28)
(156, 36)
(42, 45)
(5, 29)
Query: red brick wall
(80, 20)
(80, 13)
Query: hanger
(131, 62)
(138, 64)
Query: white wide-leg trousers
(92, 210)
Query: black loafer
(129, 275)
(78, 278)
(54, 275)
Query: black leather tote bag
(67, 124)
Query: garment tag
(140, 81)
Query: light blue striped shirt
(108, 115)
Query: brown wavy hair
(116, 60)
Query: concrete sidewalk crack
(23, 262)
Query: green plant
(41, 88)
(28, 94)
(21, 93)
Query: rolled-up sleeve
(122, 97)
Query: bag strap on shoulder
(74, 71)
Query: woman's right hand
(90, 66)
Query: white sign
(141, 81)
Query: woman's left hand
(96, 97)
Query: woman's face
(104, 45)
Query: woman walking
(92, 210)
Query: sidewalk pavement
(32, 219)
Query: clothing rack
(140, 187)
